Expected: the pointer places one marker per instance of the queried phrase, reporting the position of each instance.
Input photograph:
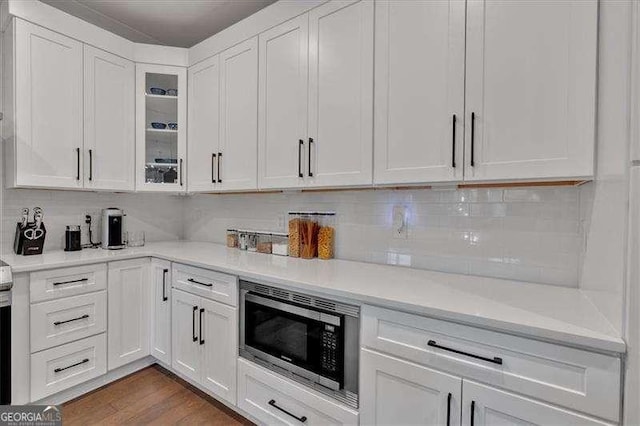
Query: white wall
(524, 234)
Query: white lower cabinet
(272, 399)
(161, 310)
(205, 343)
(62, 367)
(394, 391)
(485, 405)
(128, 323)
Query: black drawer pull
(473, 139)
(193, 324)
(164, 285)
(300, 419)
(300, 146)
(84, 361)
(213, 159)
(78, 164)
(310, 145)
(473, 412)
(201, 339)
(90, 164)
(449, 409)
(453, 143)
(219, 157)
(191, 280)
(85, 316)
(495, 359)
(72, 281)
(181, 172)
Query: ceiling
(181, 23)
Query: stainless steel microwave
(310, 339)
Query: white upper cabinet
(237, 156)
(161, 134)
(282, 112)
(419, 91)
(530, 86)
(340, 133)
(204, 125)
(47, 143)
(109, 121)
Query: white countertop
(563, 315)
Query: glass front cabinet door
(161, 120)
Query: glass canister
(308, 235)
(232, 238)
(280, 244)
(252, 241)
(326, 235)
(264, 242)
(294, 234)
(243, 239)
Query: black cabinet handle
(193, 324)
(181, 172)
(213, 160)
(164, 285)
(78, 164)
(90, 164)
(85, 316)
(300, 146)
(201, 339)
(495, 359)
(219, 157)
(191, 280)
(300, 419)
(453, 143)
(310, 145)
(449, 409)
(473, 137)
(473, 412)
(72, 281)
(84, 361)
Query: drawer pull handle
(300, 419)
(191, 280)
(495, 359)
(84, 361)
(193, 324)
(85, 316)
(449, 409)
(473, 412)
(72, 281)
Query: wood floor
(152, 395)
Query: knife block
(26, 246)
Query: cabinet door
(238, 154)
(530, 85)
(48, 101)
(340, 94)
(218, 342)
(109, 121)
(393, 391)
(128, 308)
(184, 334)
(161, 310)
(282, 112)
(204, 124)
(419, 89)
(161, 151)
(483, 405)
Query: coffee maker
(112, 228)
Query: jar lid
(280, 234)
(73, 227)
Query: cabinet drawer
(57, 283)
(68, 365)
(203, 282)
(64, 320)
(574, 378)
(274, 400)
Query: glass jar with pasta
(326, 235)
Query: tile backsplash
(529, 234)
(156, 214)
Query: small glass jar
(308, 229)
(243, 240)
(326, 235)
(252, 241)
(264, 243)
(232, 238)
(294, 234)
(280, 244)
